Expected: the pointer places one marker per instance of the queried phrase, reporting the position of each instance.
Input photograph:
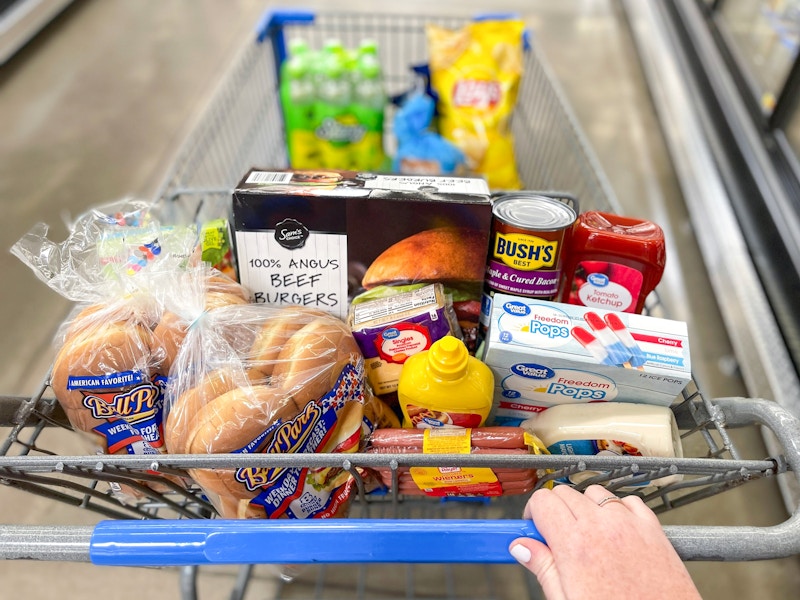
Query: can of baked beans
(528, 232)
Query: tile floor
(95, 109)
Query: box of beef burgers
(324, 239)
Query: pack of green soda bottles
(333, 101)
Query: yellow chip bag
(476, 71)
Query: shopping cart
(242, 127)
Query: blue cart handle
(217, 541)
(506, 16)
(275, 19)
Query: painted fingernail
(521, 553)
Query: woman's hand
(600, 546)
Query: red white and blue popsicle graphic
(637, 358)
(609, 342)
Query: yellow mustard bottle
(443, 386)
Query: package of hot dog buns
(108, 372)
(183, 296)
(444, 480)
(274, 380)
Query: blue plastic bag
(421, 151)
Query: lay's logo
(480, 94)
(524, 252)
(134, 405)
(289, 438)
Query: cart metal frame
(241, 128)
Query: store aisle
(94, 110)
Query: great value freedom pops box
(545, 353)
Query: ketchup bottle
(613, 262)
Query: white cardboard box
(533, 348)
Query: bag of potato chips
(476, 71)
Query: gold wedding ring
(608, 499)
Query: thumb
(537, 558)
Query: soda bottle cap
(295, 69)
(334, 44)
(368, 46)
(448, 358)
(332, 63)
(369, 69)
(298, 46)
(368, 64)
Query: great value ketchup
(613, 262)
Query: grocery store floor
(95, 107)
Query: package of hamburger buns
(271, 380)
(107, 373)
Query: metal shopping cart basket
(242, 127)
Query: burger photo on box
(452, 256)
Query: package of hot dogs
(444, 480)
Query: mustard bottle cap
(448, 358)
